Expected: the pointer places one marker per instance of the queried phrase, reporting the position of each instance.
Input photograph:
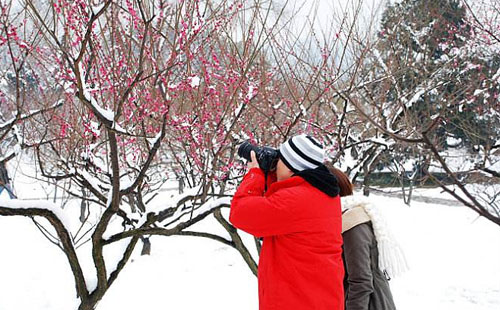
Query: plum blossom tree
(150, 94)
(149, 91)
(19, 97)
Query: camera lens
(245, 149)
(267, 157)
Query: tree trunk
(366, 185)
(87, 306)
(146, 246)
(238, 243)
(258, 244)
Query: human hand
(253, 163)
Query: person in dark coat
(299, 218)
(4, 181)
(366, 285)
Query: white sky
(332, 11)
(325, 18)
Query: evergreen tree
(438, 67)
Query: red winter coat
(300, 264)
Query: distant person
(299, 218)
(4, 181)
(365, 237)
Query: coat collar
(354, 217)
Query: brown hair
(345, 184)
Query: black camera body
(266, 156)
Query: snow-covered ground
(454, 258)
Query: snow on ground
(484, 193)
(34, 274)
(453, 256)
(181, 273)
(184, 273)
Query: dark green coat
(365, 286)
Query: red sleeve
(258, 215)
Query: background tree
(436, 96)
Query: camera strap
(265, 180)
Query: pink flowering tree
(130, 99)
(148, 92)
(20, 98)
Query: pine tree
(437, 68)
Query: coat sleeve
(258, 215)
(357, 242)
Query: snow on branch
(183, 214)
(96, 184)
(55, 215)
(154, 149)
(13, 151)
(30, 114)
(418, 94)
(106, 114)
(34, 208)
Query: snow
(4, 194)
(35, 274)
(380, 60)
(452, 141)
(158, 203)
(380, 140)
(106, 113)
(199, 274)
(458, 159)
(237, 111)
(453, 257)
(278, 105)
(97, 8)
(109, 199)
(452, 254)
(303, 110)
(415, 97)
(251, 90)
(37, 204)
(153, 141)
(126, 182)
(13, 150)
(194, 81)
(184, 214)
(26, 115)
(94, 182)
(496, 76)
(478, 92)
(116, 126)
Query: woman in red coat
(299, 218)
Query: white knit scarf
(391, 257)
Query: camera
(267, 157)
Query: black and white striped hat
(302, 152)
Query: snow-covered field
(454, 258)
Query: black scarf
(322, 179)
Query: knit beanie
(302, 152)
